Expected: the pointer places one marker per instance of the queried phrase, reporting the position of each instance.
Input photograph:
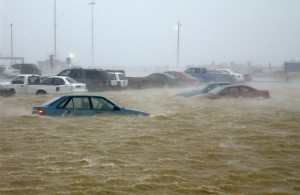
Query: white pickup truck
(28, 84)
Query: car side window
(91, 74)
(33, 80)
(65, 73)
(244, 90)
(234, 90)
(102, 104)
(112, 76)
(75, 74)
(224, 92)
(76, 103)
(47, 81)
(191, 70)
(19, 80)
(122, 77)
(58, 81)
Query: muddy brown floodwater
(228, 146)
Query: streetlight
(11, 43)
(55, 28)
(178, 30)
(69, 59)
(92, 4)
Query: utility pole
(92, 4)
(11, 43)
(54, 28)
(178, 30)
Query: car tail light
(39, 112)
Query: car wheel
(41, 92)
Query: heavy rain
(141, 55)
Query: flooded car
(235, 91)
(82, 105)
(204, 88)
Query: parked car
(185, 79)
(30, 84)
(80, 105)
(95, 79)
(162, 80)
(138, 82)
(236, 76)
(7, 92)
(118, 80)
(204, 88)
(235, 91)
(2, 68)
(65, 83)
(10, 72)
(27, 68)
(207, 76)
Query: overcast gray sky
(142, 32)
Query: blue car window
(77, 103)
(102, 104)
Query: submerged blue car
(82, 105)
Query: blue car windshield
(51, 101)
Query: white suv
(118, 80)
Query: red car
(184, 78)
(235, 91)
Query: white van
(118, 80)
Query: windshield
(70, 80)
(122, 77)
(217, 90)
(51, 101)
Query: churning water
(227, 146)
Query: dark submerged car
(185, 79)
(162, 80)
(234, 91)
(204, 88)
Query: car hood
(134, 112)
(5, 84)
(206, 95)
(190, 93)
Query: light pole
(92, 4)
(55, 28)
(69, 59)
(11, 43)
(178, 30)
